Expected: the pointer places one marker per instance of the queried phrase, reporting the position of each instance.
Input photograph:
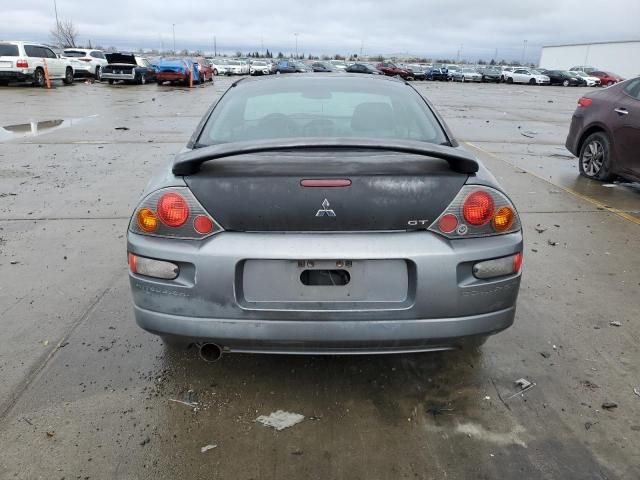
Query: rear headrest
(373, 118)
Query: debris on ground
(436, 410)
(182, 402)
(524, 384)
(545, 354)
(206, 448)
(609, 405)
(589, 384)
(144, 441)
(121, 128)
(525, 135)
(588, 425)
(297, 452)
(552, 243)
(615, 323)
(280, 419)
(540, 228)
(636, 390)
(50, 433)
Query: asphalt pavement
(84, 393)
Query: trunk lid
(121, 58)
(263, 192)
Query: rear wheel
(142, 79)
(98, 73)
(39, 79)
(565, 83)
(215, 71)
(595, 157)
(68, 76)
(610, 82)
(509, 80)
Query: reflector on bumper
(153, 268)
(498, 267)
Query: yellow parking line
(598, 204)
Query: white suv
(91, 62)
(27, 61)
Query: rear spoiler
(188, 163)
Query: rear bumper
(15, 76)
(213, 298)
(118, 76)
(339, 337)
(171, 77)
(573, 137)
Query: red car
(606, 78)
(391, 70)
(206, 72)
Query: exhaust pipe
(210, 352)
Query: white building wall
(622, 58)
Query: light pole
(296, 35)
(55, 7)
(174, 37)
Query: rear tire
(98, 73)
(565, 83)
(142, 79)
(39, 79)
(610, 82)
(509, 80)
(68, 76)
(594, 161)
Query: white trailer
(622, 58)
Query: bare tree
(65, 34)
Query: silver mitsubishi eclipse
(324, 214)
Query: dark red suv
(605, 132)
(392, 70)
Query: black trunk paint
(263, 192)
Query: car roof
(319, 76)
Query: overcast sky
(432, 28)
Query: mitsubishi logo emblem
(325, 210)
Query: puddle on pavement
(33, 129)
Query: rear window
(74, 53)
(290, 108)
(8, 50)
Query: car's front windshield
(323, 108)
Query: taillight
(478, 208)
(175, 213)
(84, 59)
(22, 64)
(477, 211)
(203, 224)
(584, 102)
(503, 219)
(173, 210)
(147, 220)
